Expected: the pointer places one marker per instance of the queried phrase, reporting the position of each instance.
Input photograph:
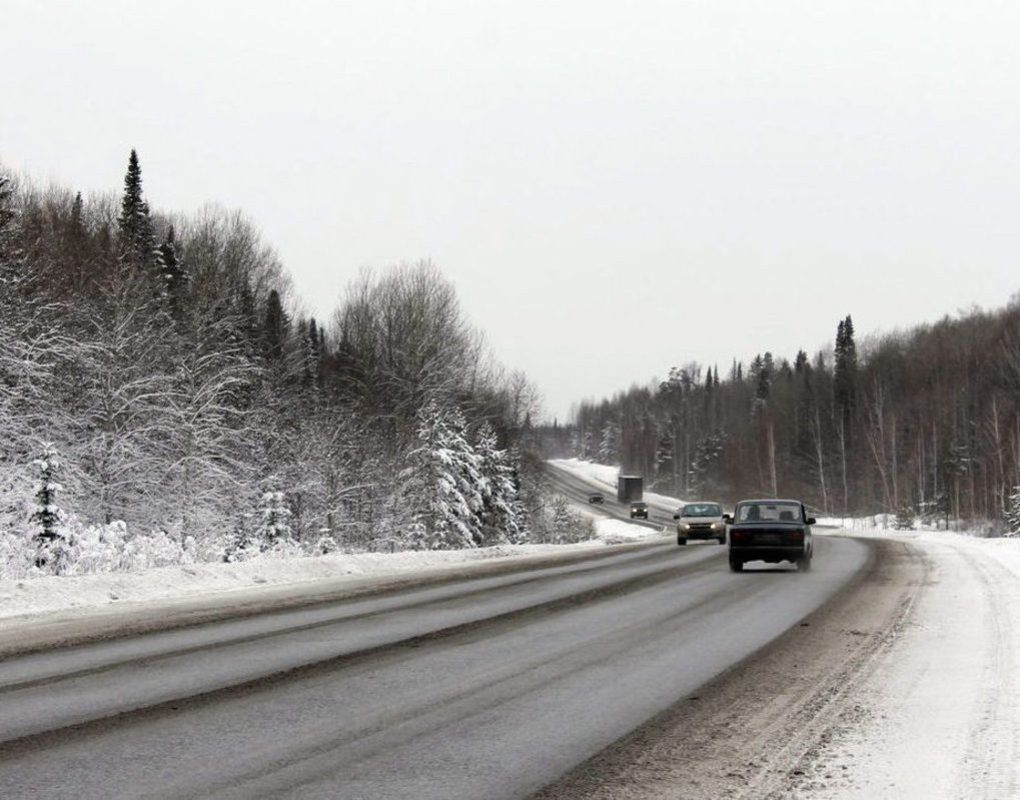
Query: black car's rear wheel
(736, 564)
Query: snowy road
(903, 688)
(488, 687)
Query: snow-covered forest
(920, 424)
(163, 399)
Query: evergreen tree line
(158, 385)
(922, 423)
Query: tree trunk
(817, 431)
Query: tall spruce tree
(499, 514)
(174, 277)
(274, 330)
(844, 378)
(136, 239)
(11, 260)
(50, 540)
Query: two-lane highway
(577, 488)
(482, 687)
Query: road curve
(487, 687)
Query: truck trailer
(629, 487)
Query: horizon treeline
(155, 374)
(923, 423)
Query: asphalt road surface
(483, 687)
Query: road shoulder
(759, 729)
(938, 717)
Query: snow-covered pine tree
(664, 467)
(1013, 512)
(562, 520)
(609, 444)
(706, 453)
(500, 521)
(175, 279)
(15, 297)
(470, 481)
(8, 215)
(50, 539)
(243, 544)
(443, 481)
(311, 357)
(274, 529)
(520, 532)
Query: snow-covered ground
(44, 595)
(938, 717)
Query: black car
(639, 508)
(596, 497)
(771, 531)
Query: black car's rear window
(768, 512)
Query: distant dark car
(772, 531)
(701, 520)
(639, 508)
(596, 497)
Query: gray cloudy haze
(613, 188)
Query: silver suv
(701, 520)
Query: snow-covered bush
(905, 518)
(17, 557)
(560, 524)
(325, 545)
(98, 548)
(157, 549)
(87, 549)
(283, 548)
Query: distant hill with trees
(918, 423)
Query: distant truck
(629, 487)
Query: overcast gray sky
(613, 188)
